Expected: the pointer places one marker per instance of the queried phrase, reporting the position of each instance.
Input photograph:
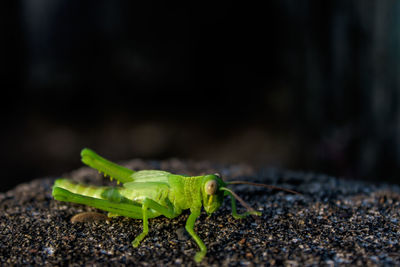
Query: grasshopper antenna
(264, 185)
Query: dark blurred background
(311, 85)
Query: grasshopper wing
(149, 176)
(152, 184)
(138, 192)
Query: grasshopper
(148, 194)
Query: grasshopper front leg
(242, 215)
(195, 213)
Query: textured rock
(333, 222)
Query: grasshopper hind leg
(120, 173)
(127, 210)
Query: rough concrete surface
(333, 222)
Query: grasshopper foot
(244, 215)
(256, 213)
(138, 239)
(135, 243)
(199, 256)
(112, 215)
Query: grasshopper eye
(211, 187)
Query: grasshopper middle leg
(151, 204)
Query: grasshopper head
(211, 193)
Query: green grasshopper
(148, 194)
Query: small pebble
(182, 234)
(249, 255)
(89, 217)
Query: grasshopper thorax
(211, 193)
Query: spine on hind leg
(81, 189)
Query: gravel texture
(334, 222)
